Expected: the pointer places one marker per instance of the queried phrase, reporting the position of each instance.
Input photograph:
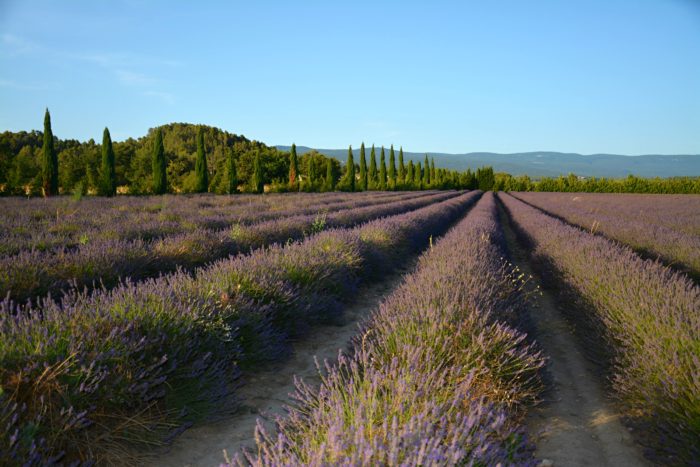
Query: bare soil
(576, 424)
(265, 393)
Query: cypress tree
(160, 178)
(350, 171)
(200, 165)
(363, 168)
(49, 163)
(402, 167)
(232, 186)
(108, 177)
(382, 171)
(485, 178)
(392, 169)
(426, 172)
(419, 176)
(410, 174)
(330, 184)
(257, 180)
(373, 178)
(293, 167)
(469, 180)
(312, 174)
(432, 170)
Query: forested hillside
(79, 162)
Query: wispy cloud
(382, 128)
(134, 79)
(126, 68)
(163, 96)
(15, 45)
(124, 60)
(4, 83)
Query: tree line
(577, 184)
(186, 158)
(362, 176)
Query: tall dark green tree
(382, 171)
(410, 175)
(432, 171)
(419, 176)
(293, 168)
(392, 168)
(350, 171)
(329, 182)
(402, 167)
(312, 175)
(200, 165)
(158, 165)
(108, 176)
(231, 172)
(257, 181)
(49, 162)
(363, 168)
(373, 175)
(426, 172)
(485, 178)
(469, 181)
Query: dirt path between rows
(265, 393)
(576, 424)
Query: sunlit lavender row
(439, 374)
(35, 273)
(63, 223)
(645, 312)
(665, 226)
(84, 377)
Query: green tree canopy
(392, 168)
(293, 168)
(258, 183)
(49, 166)
(108, 175)
(373, 174)
(426, 172)
(410, 174)
(382, 171)
(350, 172)
(363, 169)
(200, 166)
(232, 175)
(159, 165)
(329, 182)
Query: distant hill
(541, 164)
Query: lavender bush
(84, 377)
(438, 376)
(647, 313)
(665, 226)
(29, 274)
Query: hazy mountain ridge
(549, 163)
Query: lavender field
(126, 321)
(373, 234)
(660, 226)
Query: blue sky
(505, 76)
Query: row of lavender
(32, 274)
(82, 377)
(439, 374)
(60, 223)
(667, 226)
(647, 313)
